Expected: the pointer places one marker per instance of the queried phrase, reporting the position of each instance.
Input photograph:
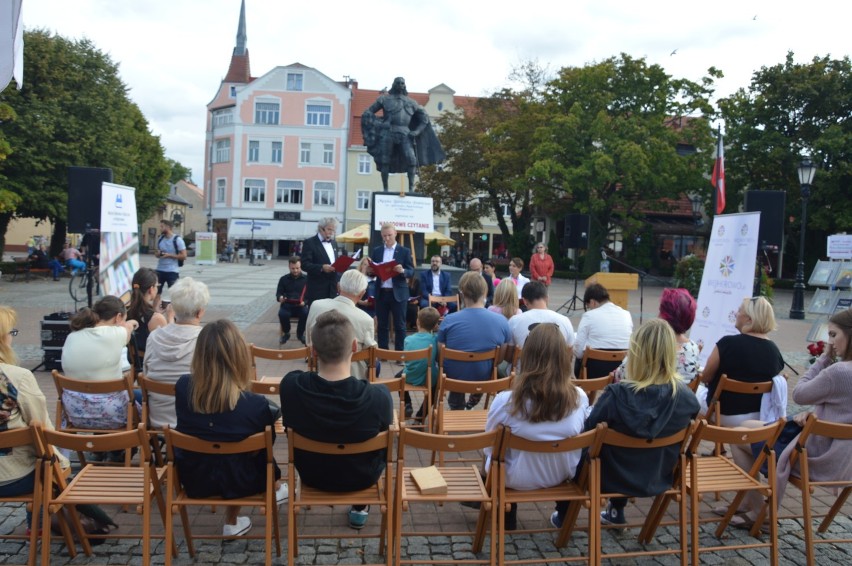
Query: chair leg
(654, 517)
(835, 509)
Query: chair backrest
(491, 387)
(815, 427)
(446, 299)
(717, 434)
(264, 387)
(87, 387)
(382, 441)
(591, 386)
(149, 386)
(492, 356)
(122, 440)
(447, 443)
(609, 359)
(734, 386)
(367, 355)
(17, 437)
(401, 357)
(301, 354)
(261, 441)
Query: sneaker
(613, 516)
(282, 494)
(409, 410)
(357, 519)
(301, 338)
(242, 526)
(555, 520)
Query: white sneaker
(242, 526)
(282, 494)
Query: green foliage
(521, 245)
(74, 111)
(178, 172)
(788, 110)
(432, 249)
(688, 274)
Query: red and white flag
(718, 178)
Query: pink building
(276, 154)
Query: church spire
(239, 71)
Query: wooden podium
(618, 284)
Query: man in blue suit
(436, 282)
(392, 298)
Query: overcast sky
(173, 54)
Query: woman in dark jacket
(652, 402)
(214, 403)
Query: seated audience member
(543, 404)
(535, 297)
(72, 258)
(749, 356)
(23, 403)
(472, 329)
(436, 282)
(604, 326)
(367, 302)
(351, 287)
(290, 294)
(95, 351)
(141, 309)
(489, 268)
(415, 372)
(476, 267)
(215, 403)
(827, 388)
(516, 264)
(677, 307)
(506, 300)
(169, 352)
(652, 402)
(40, 260)
(332, 405)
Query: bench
(24, 267)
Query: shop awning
(241, 229)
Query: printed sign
(408, 214)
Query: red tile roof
(239, 71)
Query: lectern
(618, 284)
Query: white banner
(118, 208)
(119, 241)
(728, 278)
(408, 214)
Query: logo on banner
(705, 312)
(721, 231)
(726, 266)
(732, 317)
(118, 201)
(744, 230)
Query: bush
(432, 249)
(688, 274)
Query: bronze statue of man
(403, 139)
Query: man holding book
(392, 298)
(318, 256)
(291, 297)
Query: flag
(718, 178)
(11, 44)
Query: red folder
(384, 271)
(342, 263)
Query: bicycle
(82, 283)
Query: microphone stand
(642, 275)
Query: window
(506, 208)
(294, 81)
(220, 190)
(305, 153)
(266, 113)
(365, 164)
(319, 115)
(255, 190)
(289, 192)
(232, 92)
(324, 194)
(223, 151)
(276, 152)
(254, 151)
(362, 200)
(328, 154)
(223, 117)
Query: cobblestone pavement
(245, 294)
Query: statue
(403, 139)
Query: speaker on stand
(770, 236)
(576, 237)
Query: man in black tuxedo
(318, 255)
(392, 298)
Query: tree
(74, 110)
(178, 172)
(8, 200)
(608, 146)
(789, 110)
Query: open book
(385, 270)
(342, 263)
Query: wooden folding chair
(178, 500)
(25, 438)
(607, 361)
(677, 491)
(579, 491)
(378, 495)
(150, 386)
(464, 483)
(446, 354)
(593, 386)
(719, 473)
(368, 357)
(836, 432)
(295, 354)
(132, 486)
(63, 422)
(714, 408)
(448, 299)
(400, 358)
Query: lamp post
(807, 170)
(209, 221)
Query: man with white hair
(351, 287)
(318, 255)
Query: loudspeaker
(577, 231)
(84, 197)
(772, 206)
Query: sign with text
(118, 209)
(119, 242)
(205, 248)
(407, 213)
(840, 246)
(728, 278)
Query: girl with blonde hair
(506, 299)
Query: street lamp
(807, 170)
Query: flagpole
(715, 196)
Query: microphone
(603, 253)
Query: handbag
(789, 433)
